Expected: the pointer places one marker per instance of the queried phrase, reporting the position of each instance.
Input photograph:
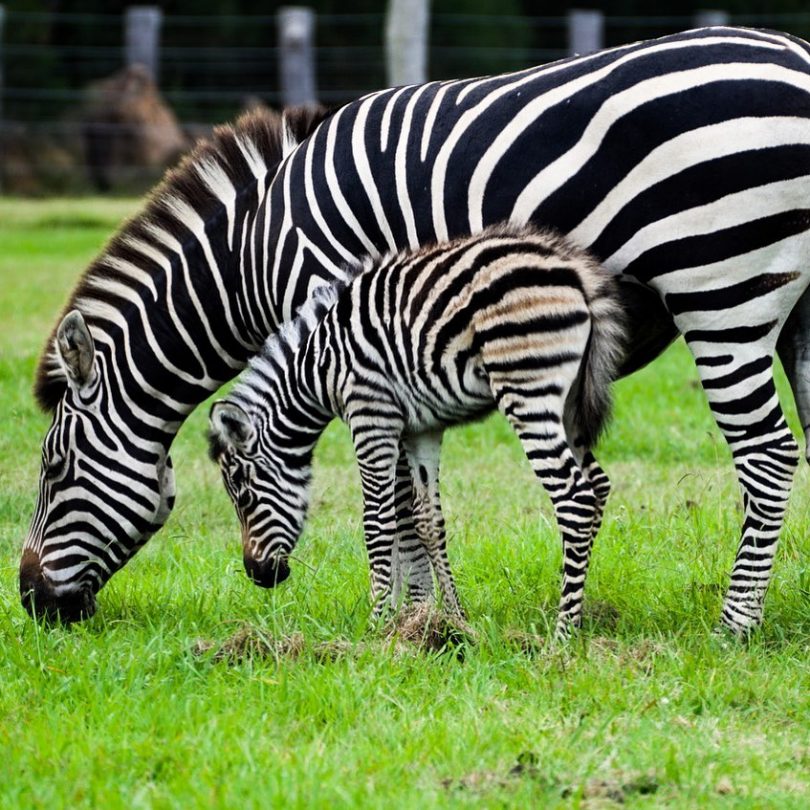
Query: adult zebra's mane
(246, 152)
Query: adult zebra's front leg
(738, 381)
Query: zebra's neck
(168, 318)
(285, 395)
(179, 299)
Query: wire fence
(53, 128)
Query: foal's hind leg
(423, 456)
(594, 473)
(738, 381)
(537, 420)
(600, 484)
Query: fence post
(2, 126)
(708, 17)
(586, 31)
(2, 25)
(406, 36)
(142, 37)
(296, 33)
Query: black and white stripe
(682, 163)
(511, 318)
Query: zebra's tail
(590, 398)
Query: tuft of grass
(646, 707)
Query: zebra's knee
(601, 486)
(787, 452)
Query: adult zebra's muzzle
(40, 599)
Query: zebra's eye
(245, 499)
(54, 467)
(237, 477)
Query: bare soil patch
(594, 793)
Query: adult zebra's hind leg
(411, 563)
(793, 347)
(738, 381)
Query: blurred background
(99, 96)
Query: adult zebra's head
(266, 471)
(169, 311)
(103, 491)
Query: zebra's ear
(74, 344)
(230, 424)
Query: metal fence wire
(75, 116)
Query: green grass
(645, 706)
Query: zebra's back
(438, 330)
(627, 151)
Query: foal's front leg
(377, 451)
(412, 569)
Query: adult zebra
(682, 162)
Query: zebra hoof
(728, 634)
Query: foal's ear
(74, 344)
(230, 423)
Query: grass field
(645, 708)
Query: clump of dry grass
(429, 629)
(415, 628)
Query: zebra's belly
(756, 287)
(435, 399)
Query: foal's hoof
(728, 636)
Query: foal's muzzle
(269, 572)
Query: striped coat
(682, 163)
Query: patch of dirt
(482, 781)
(593, 793)
(616, 790)
(724, 786)
(529, 643)
(249, 643)
(640, 656)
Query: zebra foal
(513, 318)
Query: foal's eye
(54, 467)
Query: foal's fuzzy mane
(279, 347)
(246, 151)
